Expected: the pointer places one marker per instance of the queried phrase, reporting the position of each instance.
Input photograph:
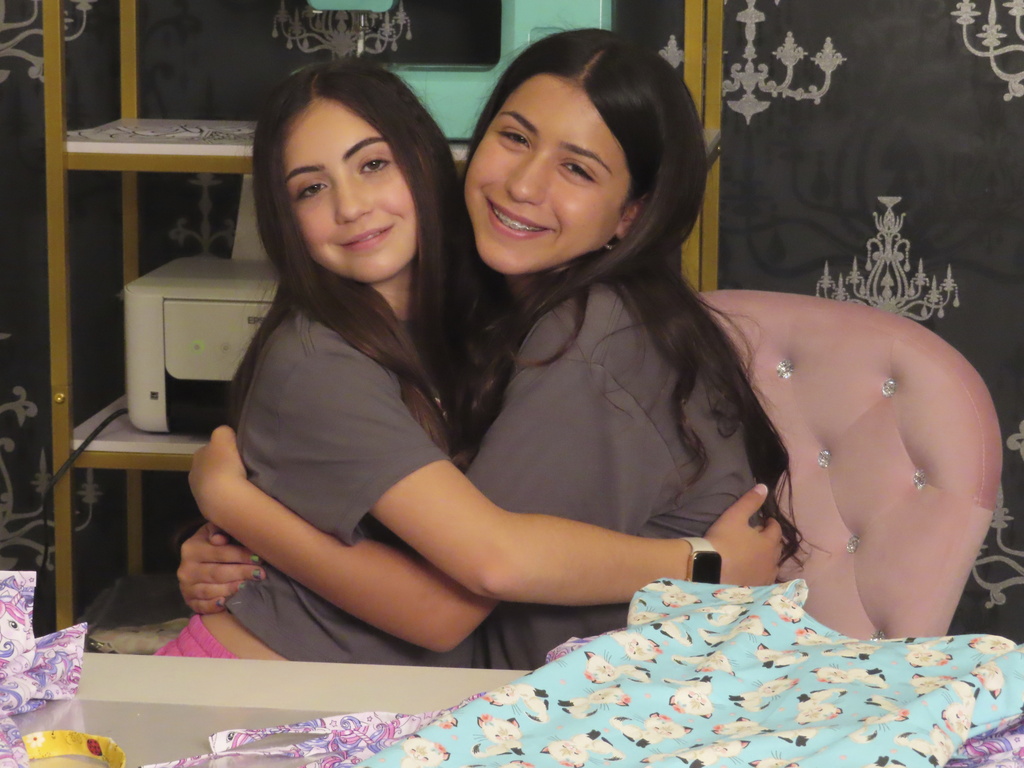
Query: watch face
(707, 567)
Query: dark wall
(914, 124)
(909, 114)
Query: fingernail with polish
(255, 559)
(257, 574)
(220, 602)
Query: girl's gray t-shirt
(593, 436)
(325, 432)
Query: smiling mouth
(365, 237)
(513, 224)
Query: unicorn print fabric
(330, 742)
(714, 675)
(32, 670)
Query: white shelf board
(121, 437)
(197, 138)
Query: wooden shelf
(166, 137)
(171, 146)
(95, 161)
(175, 146)
(121, 446)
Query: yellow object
(72, 743)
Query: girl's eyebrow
(351, 151)
(302, 169)
(574, 148)
(360, 144)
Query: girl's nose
(528, 181)
(350, 202)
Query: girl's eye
(309, 191)
(514, 136)
(579, 170)
(373, 166)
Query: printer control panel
(205, 340)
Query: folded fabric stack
(32, 670)
(718, 675)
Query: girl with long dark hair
(608, 390)
(343, 395)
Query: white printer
(187, 325)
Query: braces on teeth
(512, 224)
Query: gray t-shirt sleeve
(325, 431)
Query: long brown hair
(650, 112)
(423, 356)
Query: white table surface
(163, 708)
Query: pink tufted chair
(895, 456)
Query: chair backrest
(895, 456)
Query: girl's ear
(629, 214)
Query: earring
(611, 244)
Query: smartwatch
(706, 563)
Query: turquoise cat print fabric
(707, 675)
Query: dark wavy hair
(651, 113)
(421, 355)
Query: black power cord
(55, 478)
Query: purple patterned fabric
(341, 741)
(566, 648)
(12, 750)
(1002, 747)
(32, 670)
(335, 742)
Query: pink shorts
(196, 641)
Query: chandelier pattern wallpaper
(990, 43)
(752, 78)
(887, 282)
(341, 32)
